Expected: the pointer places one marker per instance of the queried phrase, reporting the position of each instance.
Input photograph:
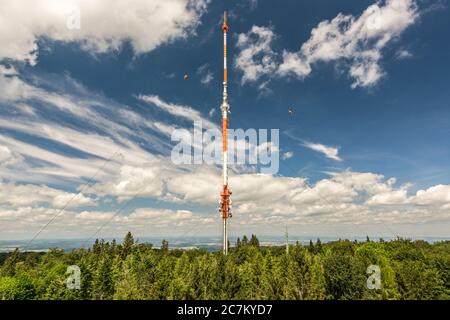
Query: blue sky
(86, 116)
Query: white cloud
(389, 198)
(403, 54)
(255, 57)
(201, 186)
(25, 195)
(335, 202)
(258, 199)
(25, 221)
(329, 152)
(264, 88)
(109, 139)
(105, 24)
(358, 41)
(95, 216)
(8, 157)
(180, 111)
(330, 191)
(287, 155)
(346, 197)
(369, 182)
(263, 189)
(207, 78)
(142, 181)
(11, 86)
(293, 64)
(206, 75)
(435, 195)
(168, 217)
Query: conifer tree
(244, 240)
(127, 245)
(254, 241)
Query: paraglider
(186, 77)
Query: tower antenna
(225, 201)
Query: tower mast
(225, 202)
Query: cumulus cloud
(169, 217)
(104, 24)
(329, 152)
(344, 198)
(389, 198)
(256, 57)
(357, 41)
(142, 181)
(25, 220)
(435, 195)
(16, 195)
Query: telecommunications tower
(225, 201)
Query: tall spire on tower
(225, 201)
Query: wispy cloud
(288, 155)
(207, 78)
(180, 111)
(403, 54)
(205, 74)
(329, 152)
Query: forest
(131, 270)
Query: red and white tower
(225, 201)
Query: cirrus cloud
(329, 152)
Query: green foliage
(344, 275)
(128, 243)
(335, 270)
(19, 287)
(416, 280)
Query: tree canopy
(130, 270)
